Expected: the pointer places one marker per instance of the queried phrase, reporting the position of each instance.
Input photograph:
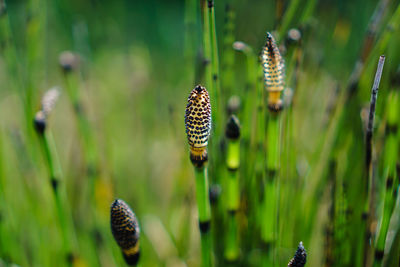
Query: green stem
(214, 66)
(228, 58)
(206, 244)
(52, 162)
(273, 143)
(270, 217)
(202, 194)
(391, 257)
(232, 246)
(203, 205)
(390, 156)
(233, 199)
(288, 17)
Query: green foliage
(118, 132)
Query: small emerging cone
(69, 61)
(198, 124)
(232, 130)
(126, 231)
(274, 73)
(300, 257)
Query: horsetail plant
(300, 257)
(214, 63)
(232, 133)
(126, 231)
(369, 214)
(40, 123)
(69, 63)
(47, 143)
(274, 71)
(198, 127)
(389, 173)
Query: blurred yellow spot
(78, 262)
(342, 32)
(103, 196)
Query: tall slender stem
(203, 205)
(369, 213)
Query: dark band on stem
(266, 245)
(199, 162)
(364, 215)
(379, 254)
(391, 128)
(132, 259)
(204, 226)
(40, 125)
(271, 172)
(54, 183)
(389, 182)
(210, 3)
(70, 257)
(214, 193)
(233, 212)
(275, 108)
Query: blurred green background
(134, 78)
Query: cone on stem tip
(300, 257)
(198, 124)
(126, 231)
(49, 100)
(232, 130)
(274, 73)
(69, 61)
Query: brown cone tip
(125, 229)
(300, 257)
(198, 117)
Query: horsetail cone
(126, 231)
(274, 73)
(49, 100)
(198, 124)
(300, 257)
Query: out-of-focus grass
(133, 85)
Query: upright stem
(54, 169)
(370, 188)
(203, 205)
(288, 17)
(270, 217)
(232, 188)
(390, 174)
(216, 88)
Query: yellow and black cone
(274, 73)
(300, 257)
(126, 231)
(198, 124)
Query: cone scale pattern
(274, 73)
(300, 257)
(126, 231)
(198, 123)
